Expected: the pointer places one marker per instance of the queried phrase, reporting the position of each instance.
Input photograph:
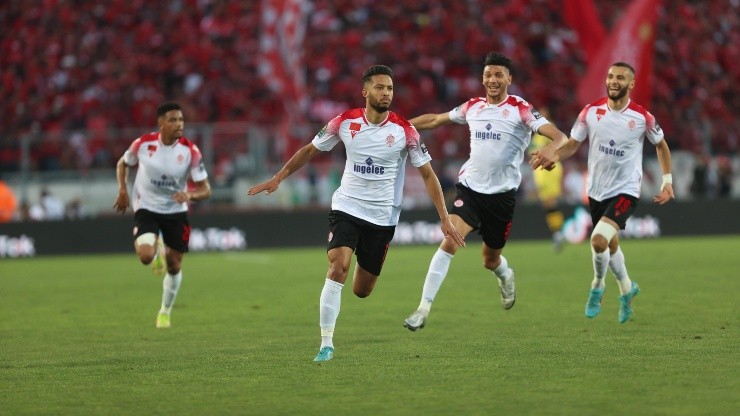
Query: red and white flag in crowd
(280, 62)
(583, 17)
(630, 41)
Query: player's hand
(449, 230)
(268, 187)
(543, 159)
(665, 195)
(181, 197)
(121, 203)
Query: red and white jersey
(162, 171)
(615, 146)
(499, 135)
(372, 182)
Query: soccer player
(549, 185)
(616, 128)
(160, 198)
(366, 207)
(501, 127)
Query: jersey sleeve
(131, 156)
(328, 136)
(580, 128)
(197, 168)
(417, 149)
(531, 117)
(457, 114)
(652, 130)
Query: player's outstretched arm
(666, 188)
(300, 158)
(434, 189)
(565, 151)
(430, 121)
(122, 199)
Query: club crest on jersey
(631, 125)
(390, 140)
(354, 128)
(458, 203)
(505, 113)
(600, 112)
(180, 159)
(151, 149)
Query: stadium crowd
(94, 66)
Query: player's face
(619, 81)
(171, 125)
(379, 92)
(496, 79)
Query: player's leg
(146, 230)
(371, 251)
(436, 274)
(497, 215)
(159, 264)
(464, 217)
(176, 236)
(343, 237)
(617, 212)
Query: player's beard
(616, 95)
(380, 108)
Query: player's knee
(362, 292)
(337, 272)
(146, 258)
(491, 262)
(603, 233)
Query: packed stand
(86, 66)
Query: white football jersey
(162, 171)
(615, 147)
(372, 182)
(499, 135)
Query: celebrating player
(160, 198)
(501, 126)
(366, 207)
(616, 128)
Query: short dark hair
(167, 106)
(376, 70)
(495, 58)
(625, 65)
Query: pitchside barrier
(245, 230)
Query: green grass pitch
(77, 336)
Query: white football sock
(502, 271)
(170, 286)
(619, 268)
(329, 304)
(601, 262)
(436, 274)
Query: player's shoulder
(600, 103)
(475, 101)
(184, 141)
(149, 137)
(351, 114)
(516, 101)
(398, 119)
(639, 109)
(146, 139)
